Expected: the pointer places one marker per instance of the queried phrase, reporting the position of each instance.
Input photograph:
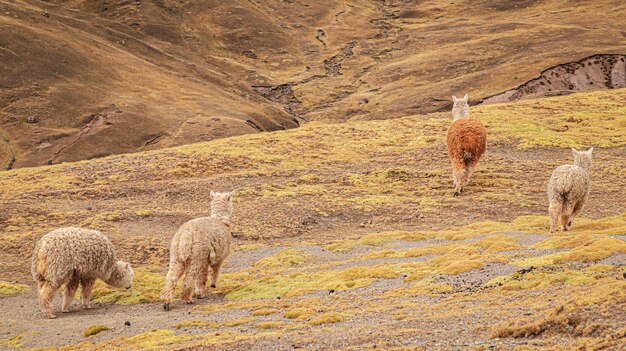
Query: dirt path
(450, 330)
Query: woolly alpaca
(467, 141)
(74, 256)
(568, 189)
(197, 245)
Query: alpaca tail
(468, 157)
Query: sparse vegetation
(95, 329)
(12, 288)
(332, 234)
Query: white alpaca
(198, 245)
(74, 256)
(568, 189)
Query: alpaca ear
(590, 151)
(466, 97)
(127, 265)
(454, 99)
(231, 195)
(574, 151)
(212, 194)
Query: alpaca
(74, 256)
(198, 245)
(568, 189)
(466, 141)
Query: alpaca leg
(555, 211)
(566, 215)
(577, 208)
(201, 281)
(458, 188)
(87, 289)
(188, 287)
(46, 295)
(70, 291)
(454, 179)
(215, 273)
(173, 275)
(468, 174)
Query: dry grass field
(347, 237)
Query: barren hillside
(83, 79)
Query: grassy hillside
(348, 236)
(155, 74)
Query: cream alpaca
(568, 189)
(198, 245)
(74, 256)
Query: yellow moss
(460, 267)
(264, 311)
(7, 288)
(498, 243)
(95, 329)
(589, 250)
(377, 239)
(269, 325)
(152, 339)
(429, 250)
(143, 213)
(330, 317)
(541, 278)
(576, 315)
(301, 283)
(599, 249)
(341, 246)
(147, 286)
(238, 321)
(299, 313)
(14, 342)
(284, 258)
(386, 254)
(185, 324)
(417, 275)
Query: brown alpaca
(467, 141)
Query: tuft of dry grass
(95, 329)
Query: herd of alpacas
(77, 256)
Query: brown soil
(591, 73)
(172, 73)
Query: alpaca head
(122, 275)
(460, 109)
(222, 205)
(582, 159)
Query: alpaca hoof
(65, 311)
(456, 194)
(190, 302)
(213, 286)
(200, 296)
(166, 306)
(51, 316)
